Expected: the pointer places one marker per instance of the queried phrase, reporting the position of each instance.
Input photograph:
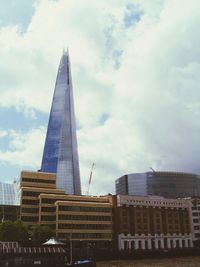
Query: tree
(22, 234)
(7, 231)
(14, 231)
(39, 234)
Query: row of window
(31, 180)
(30, 201)
(29, 219)
(48, 218)
(48, 209)
(84, 209)
(48, 200)
(195, 214)
(84, 226)
(85, 217)
(30, 194)
(30, 210)
(84, 235)
(195, 208)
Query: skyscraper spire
(60, 153)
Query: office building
(60, 155)
(9, 202)
(166, 184)
(85, 219)
(149, 223)
(195, 219)
(32, 185)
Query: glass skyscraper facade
(60, 153)
(165, 184)
(9, 194)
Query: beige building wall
(81, 218)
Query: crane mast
(90, 178)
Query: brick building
(152, 223)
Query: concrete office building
(32, 185)
(85, 219)
(148, 223)
(60, 154)
(166, 184)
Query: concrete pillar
(156, 243)
(129, 244)
(186, 242)
(120, 243)
(143, 243)
(180, 242)
(168, 243)
(162, 243)
(149, 243)
(136, 244)
(174, 243)
(190, 243)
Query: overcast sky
(136, 79)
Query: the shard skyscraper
(60, 153)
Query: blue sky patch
(103, 118)
(132, 15)
(17, 12)
(11, 119)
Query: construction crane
(90, 178)
(152, 169)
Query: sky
(136, 80)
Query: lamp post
(3, 217)
(91, 245)
(71, 249)
(69, 242)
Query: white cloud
(24, 148)
(3, 133)
(150, 99)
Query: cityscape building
(166, 184)
(152, 222)
(9, 201)
(109, 223)
(60, 155)
(195, 218)
(85, 219)
(151, 211)
(9, 193)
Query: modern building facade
(149, 223)
(166, 184)
(9, 193)
(84, 219)
(60, 154)
(9, 202)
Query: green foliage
(17, 231)
(39, 234)
(13, 231)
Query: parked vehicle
(83, 263)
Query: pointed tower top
(65, 51)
